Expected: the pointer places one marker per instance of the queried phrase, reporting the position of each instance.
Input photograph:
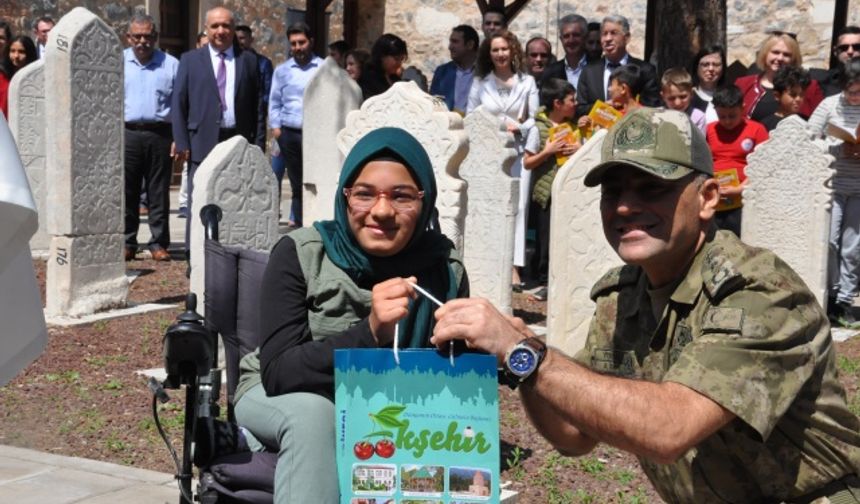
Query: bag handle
(396, 343)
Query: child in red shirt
(731, 138)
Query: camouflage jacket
(743, 329)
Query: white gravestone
(439, 131)
(579, 254)
(787, 202)
(84, 147)
(329, 96)
(491, 201)
(238, 178)
(27, 121)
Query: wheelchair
(228, 471)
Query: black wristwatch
(521, 361)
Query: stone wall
(748, 20)
(21, 13)
(426, 24)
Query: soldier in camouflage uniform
(707, 358)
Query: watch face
(522, 361)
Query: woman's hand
(389, 303)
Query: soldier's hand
(479, 324)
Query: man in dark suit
(245, 38)
(572, 30)
(615, 35)
(216, 96)
(453, 80)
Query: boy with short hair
(550, 142)
(731, 138)
(789, 88)
(677, 93)
(625, 84)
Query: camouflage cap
(658, 141)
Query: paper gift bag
(418, 431)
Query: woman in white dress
(504, 89)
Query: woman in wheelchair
(343, 283)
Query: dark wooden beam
(315, 19)
(510, 11)
(350, 22)
(840, 20)
(677, 29)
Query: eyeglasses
(362, 199)
(844, 47)
(780, 33)
(141, 36)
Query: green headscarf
(426, 254)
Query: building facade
(426, 24)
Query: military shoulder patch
(719, 272)
(614, 279)
(723, 320)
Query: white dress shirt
(228, 117)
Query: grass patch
(592, 465)
(113, 384)
(70, 376)
(101, 361)
(847, 365)
(639, 497)
(854, 403)
(114, 443)
(623, 476)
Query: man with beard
(149, 76)
(453, 80)
(285, 108)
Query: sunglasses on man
(841, 48)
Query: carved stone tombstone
(329, 96)
(787, 202)
(238, 178)
(84, 147)
(27, 122)
(439, 130)
(492, 196)
(578, 251)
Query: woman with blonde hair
(778, 50)
(504, 88)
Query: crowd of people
(18, 51)
(708, 359)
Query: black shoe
(845, 314)
(183, 212)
